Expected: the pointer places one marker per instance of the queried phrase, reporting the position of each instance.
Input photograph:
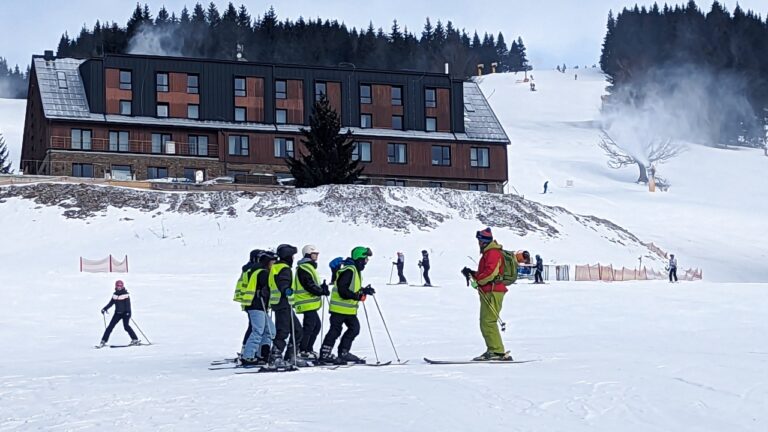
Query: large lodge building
(136, 117)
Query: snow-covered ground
(631, 356)
(711, 217)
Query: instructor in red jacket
(487, 281)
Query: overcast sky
(554, 31)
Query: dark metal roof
(480, 122)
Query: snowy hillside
(12, 127)
(710, 217)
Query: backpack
(510, 268)
(335, 265)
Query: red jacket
(490, 267)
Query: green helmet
(361, 252)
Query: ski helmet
(119, 284)
(424, 252)
(266, 256)
(361, 252)
(255, 255)
(285, 251)
(309, 249)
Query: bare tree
(654, 150)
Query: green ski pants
(489, 312)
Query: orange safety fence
(607, 273)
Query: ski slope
(630, 356)
(709, 218)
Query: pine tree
(5, 162)
(329, 157)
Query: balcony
(169, 148)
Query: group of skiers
(268, 283)
(423, 265)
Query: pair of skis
(122, 346)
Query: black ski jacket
(122, 302)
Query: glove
(368, 290)
(394, 263)
(419, 264)
(326, 291)
(467, 272)
(103, 311)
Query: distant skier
(546, 185)
(255, 300)
(347, 292)
(672, 268)
(424, 265)
(400, 266)
(286, 323)
(538, 279)
(308, 298)
(122, 302)
(491, 290)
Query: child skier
(424, 264)
(400, 266)
(307, 299)
(255, 300)
(122, 302)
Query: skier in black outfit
(248, 268)
(400, 266)
(539, 268)
(672, 268)
(424, 264)
(122, 302)
(281, 286)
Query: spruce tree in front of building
(329, 153)
(5, 162)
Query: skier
(491, 290)
(348, 291)
(242, 283)
(546, 185)
(539, 268)
(286, 323)
(122, 302)
(307, 299)
(672, 268)
(424, 265)
(255, 300)
(400, 265)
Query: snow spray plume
(678, 103)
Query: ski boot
(101, 344)
(308, 355)
(250, 361)
(346, 357)
(135, 342)
(295, 361)
(491, 356)
(326, 357)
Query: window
(321, 89)
(193, 84)
(366, 120)
(478, 187)
(283, 147)
(396, 153)
(431, 124)
(81, 139)
(395, 183)
(162, 110)
(478, 157)
(61, 78)
(362, 151)
(365, 94)
(281, 89)
(157, 172)
(430, 98)
(397, 95)
(125, 80)
(281, 116)
(238, 145)
(121, 172)
(198, 145)
(82, 170)
(118, 141)
(125, 107)
(435, 184)
(239, 114)
(240, 87)
(159, 142)
(193, 111)
(162, 82)
(191, 173)
(397, 122)
(441, 155)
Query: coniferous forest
(710, 66)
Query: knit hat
(485, 236)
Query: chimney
(447, 69)
(48, 55)
(480, 67)
(493, 67)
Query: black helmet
(286, 251)
(266, 256)
(255, 254)
(424, 252)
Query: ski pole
(322, 318)
(142, 333)
(368, 322)
(391, 270)
(104, 317)
(385, 328)
(293, 336)
(493, 309)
